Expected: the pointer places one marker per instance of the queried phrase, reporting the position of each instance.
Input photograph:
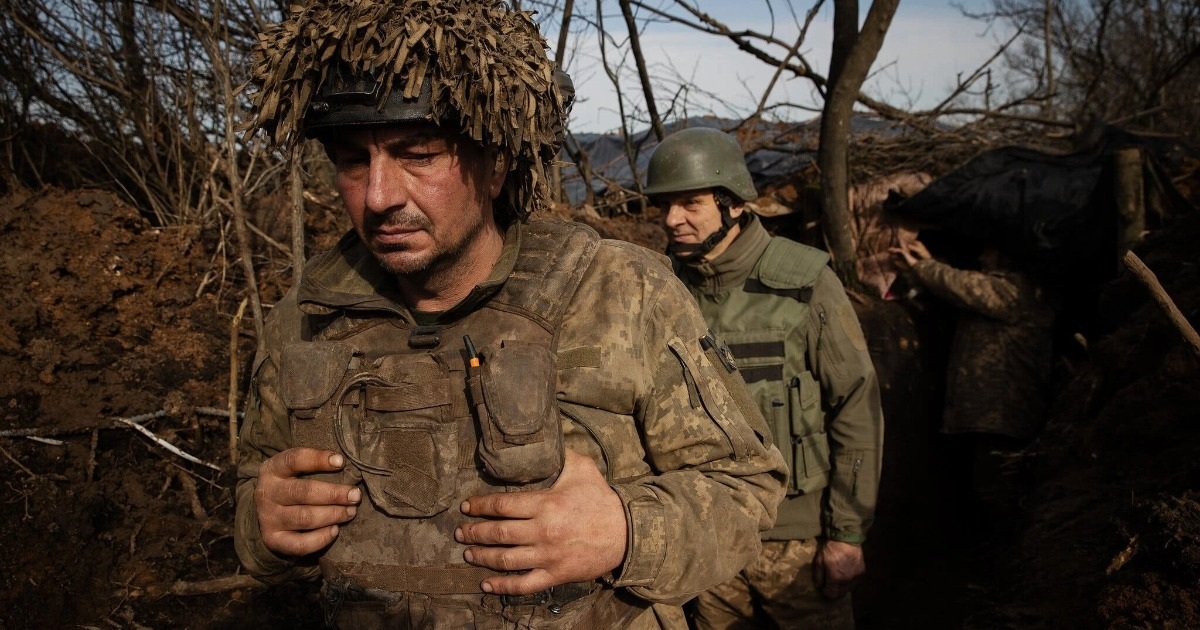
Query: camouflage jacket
(798, 342)
(639, 393)
(1001, 355)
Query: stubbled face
(691, 216)
(420, 199)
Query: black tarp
(1054, 215)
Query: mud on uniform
(799, 346)
(585, 343)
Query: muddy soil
(107, 317)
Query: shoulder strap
(787, 268)
(554, 257)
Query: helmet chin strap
(688, 253)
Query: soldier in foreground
(464, 418)
(799, 346)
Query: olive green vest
(764, 323)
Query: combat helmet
(476, 66)
(700, 158)
(696, 158)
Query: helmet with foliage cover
(476, 66)
(697, 158)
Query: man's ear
(737, 210)
(500, 164)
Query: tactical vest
(764, 323)
(430, 415)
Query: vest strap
(447, 580)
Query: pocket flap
(518, 386)
(310, 372)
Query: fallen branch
(206, 587)
(117, 424)
(1147, 278)
(167, 445)
(1124, 557)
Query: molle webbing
(760, 350)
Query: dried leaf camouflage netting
(487, 63)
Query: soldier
(463, 417)
(798, 344)
(999, 368)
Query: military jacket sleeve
(265, 432)
(837, 350)
(684, 448)
(994, 295)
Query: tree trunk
(834, 156)
(560, 51)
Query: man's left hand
(837, 564)
(573, 531)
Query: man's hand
(836, 566)
(573, 531)
(911, 253)
(300, 516)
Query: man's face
(690, 217)
(419, 198)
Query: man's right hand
(298, 516)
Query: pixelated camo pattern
(487, 62)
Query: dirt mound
(107, 317)
(1110, 537)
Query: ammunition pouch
(512, 392)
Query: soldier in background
(798, 344)
(1001, 356)
(462, 417)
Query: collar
(734, 265)
(348, 277)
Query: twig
(233, 379)
(189, 487)
(1147, 277)
(55, 432)
(167, 445)
(19, 464)
(1124, 557)
(42, 440)
(91, 465)
(206, 587)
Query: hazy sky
(929, 43)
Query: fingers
(297, 515)
(293, 543)
(512, 532)
(298, 461)
(522, 584)
(518, 505)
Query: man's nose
(674, 216)
(385, 187)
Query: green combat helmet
(476, 66)
(696, 159)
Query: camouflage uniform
(634, 381)
(1000, 360)
(798, 344)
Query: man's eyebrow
(407, 141)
